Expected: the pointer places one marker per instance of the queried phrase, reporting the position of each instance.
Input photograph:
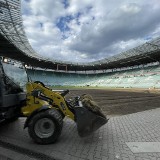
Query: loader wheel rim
(44, 128)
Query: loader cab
(14, 72)
(13, 78)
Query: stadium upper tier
(14, 44)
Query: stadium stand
(148, 77)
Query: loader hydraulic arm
(58, 100)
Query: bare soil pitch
(121, 102)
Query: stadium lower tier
(148, 77)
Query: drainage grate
(25, 151)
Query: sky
(89, 30)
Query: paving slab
(144, 147)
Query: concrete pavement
(109, 142)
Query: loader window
(16, 74)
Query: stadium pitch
(117, 102)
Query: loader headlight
(5, 60)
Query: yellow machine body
(33, 103)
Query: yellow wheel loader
(44, 108)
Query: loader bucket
(88, 121)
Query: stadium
(126, 87)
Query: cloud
(82, 31)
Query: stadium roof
(14, 44)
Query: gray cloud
(118, 27)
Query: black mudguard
(88, 121)
(41, 109)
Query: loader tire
(45, 127)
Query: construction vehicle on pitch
(44, 108)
